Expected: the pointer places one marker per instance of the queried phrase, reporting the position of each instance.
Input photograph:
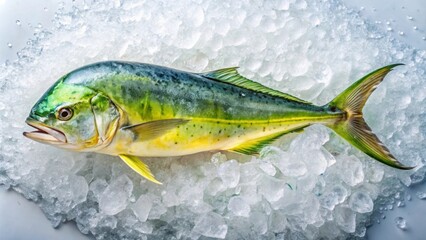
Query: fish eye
(64, 114)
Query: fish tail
(353, 127)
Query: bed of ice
(309, 185)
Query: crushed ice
(310, 185)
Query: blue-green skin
(221, 116)
(128, 84)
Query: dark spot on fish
(220, 131)
(239, 126)
(175, 142)
(264, 128)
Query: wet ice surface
(313, 186)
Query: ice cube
(345, 218)
(401, 223)
(229, 172)
(421, 195)
(142, 207)
(289, 164)
(268, 168)
(272, 189)
(211, 225)
(337, 195)
(115, 197)
(98, 186)
(239, 207)
(351, 167)
(259, 222)
(360, 202)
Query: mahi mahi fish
(133, 110)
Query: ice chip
(79, 189)
(361, 202)
(157, 210)
(335, 196)
(290, 165)
(239, 207)
(218, 158)
(421, 195)
(418, 176)
(114, 198)
(259, 222)
(84, 219)
(268, 168)
(401, 223)
(215, 186)
(375, 173)
(144, 227)
(271, 188)
(211, 225)
(142, 207)
(352, 172)
(229, 172)
(98, 187)
(345, 218)
(316, 161)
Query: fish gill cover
(314, 186)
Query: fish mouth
(44, 134)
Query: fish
(133, 110)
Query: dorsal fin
(231, 76)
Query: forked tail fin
(353, 127)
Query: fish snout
(44, 133)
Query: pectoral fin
(153, 129)
(140, 167)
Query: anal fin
(138, 166)
(254, 146)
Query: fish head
(73, 117)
